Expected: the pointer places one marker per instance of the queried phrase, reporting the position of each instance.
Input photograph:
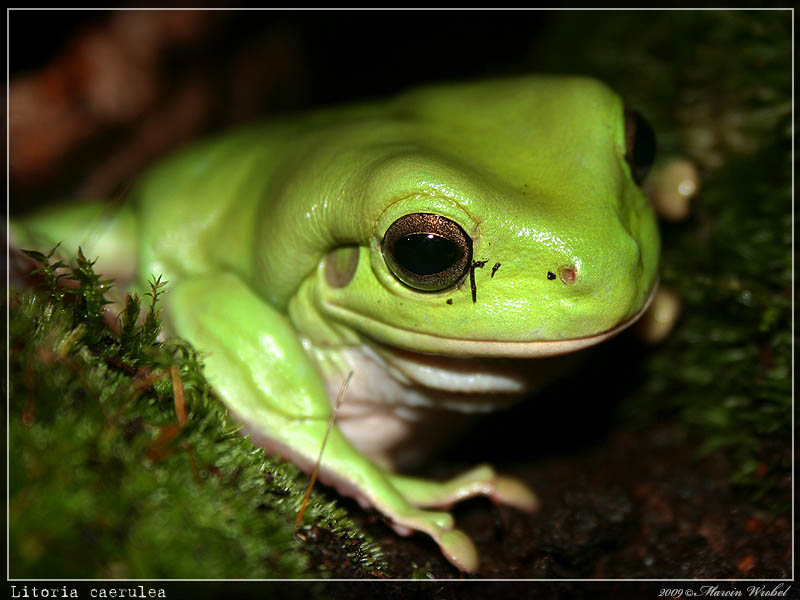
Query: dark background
(94, 100)
(347, 53)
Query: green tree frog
(444, 246)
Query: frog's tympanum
(443, 246)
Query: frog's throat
(459, 347)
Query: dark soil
(637, 505)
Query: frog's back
(201, 208)
(197, 209)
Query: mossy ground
(124, 464)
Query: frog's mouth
(426, 343)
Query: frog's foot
(660, 317)
(456, 546)
(479, 481)
(671, 187)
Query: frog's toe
(671, 188)
(454, 544)
(513, 492)
(431, 522)
(438, 520)
(459, 550)
(484, 480)
(479, 481)
(660, 317)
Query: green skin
(258, 233)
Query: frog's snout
(604, 286)
(617, 281)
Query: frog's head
(507, 220)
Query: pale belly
(400, 407)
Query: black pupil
(425, 253)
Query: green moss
(105, 482)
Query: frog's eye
(640, 145)
(427, 252)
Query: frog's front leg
(256, 363)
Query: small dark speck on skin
(494, 269)
(476, 264)
(449, 300)
(551, 275)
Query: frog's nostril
(568, 274)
